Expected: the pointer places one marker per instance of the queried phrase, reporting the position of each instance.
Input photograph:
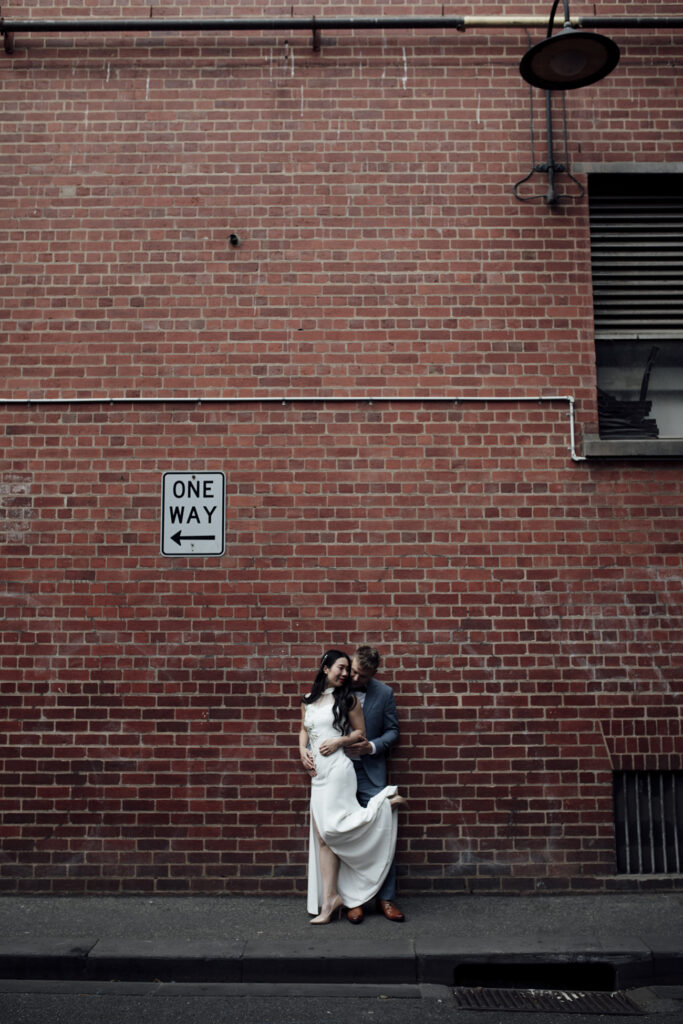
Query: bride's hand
(308, 762)
(329, 746)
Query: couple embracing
(348, 724)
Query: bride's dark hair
(344, 699)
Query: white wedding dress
(364, 838)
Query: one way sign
(193, 514)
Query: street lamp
(570, 59)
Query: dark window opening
(648, 820)
(636, 225)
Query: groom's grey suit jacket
(381, 728)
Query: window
(636, 225)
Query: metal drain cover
(545, 1000)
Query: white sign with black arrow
(193, 514)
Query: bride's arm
(357, 723)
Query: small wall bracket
(550, 166)
(7, 38)
(317, 42)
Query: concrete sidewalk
(593, 942)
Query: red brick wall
(528, 606)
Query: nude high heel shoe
(326, 918)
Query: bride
(351, 847)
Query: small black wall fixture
(569, 60)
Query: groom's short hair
(367, 657)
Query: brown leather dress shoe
(355, 915)
(390, 910)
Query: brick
(528, 608)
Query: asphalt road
(120, 1003)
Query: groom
(369, 756)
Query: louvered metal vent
(636, 224)
(648, 812)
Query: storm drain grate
(545, 1001)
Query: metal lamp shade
(569, 60)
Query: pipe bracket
(316, 43)
(7, 38)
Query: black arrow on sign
(179, 537)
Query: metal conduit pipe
(461, 22)
(10, 26)
(220, 24)
(292, 400)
